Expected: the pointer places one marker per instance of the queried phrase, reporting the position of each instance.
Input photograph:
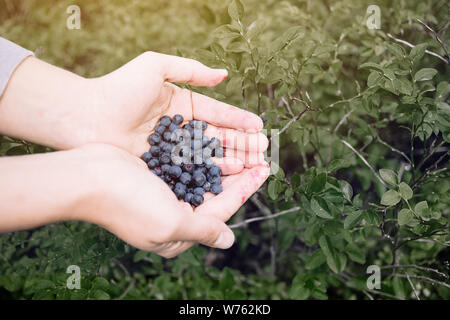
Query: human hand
(137, 206)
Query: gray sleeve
(11, 55)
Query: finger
(250, 159)
(229, 166)
(226, 182)
(205, 229)
(224, 115)
(183, 70)
(225, 204)
(238, 139)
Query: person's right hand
(137, 206)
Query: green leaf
(276, 170)
(255, 29)
(227, 280)
(288, 36)
(99, 295)
(390, 198)
(425, 74)
(405, 216)
(334, 260)
(352, 219)
(315, 260)
(320, 208)
(236, 10)
(405, 191)
(318, 183)
(295, 180)
(274, 189)
(422, 209)
(337, 164)
(389, 176)
(395, 49)
(371, 65)
(356, 253)
(417, 52)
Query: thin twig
(430, 280)
(412, 286)
(288, 107)
(394, 149)
(412, 46)
(273, 216)
(298, 116)
(413, 266)
(436, 36)
(365, 162)
(340, 123)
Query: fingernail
(223, 72)
(225, 240)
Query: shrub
(364, 127)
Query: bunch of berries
(182, 158)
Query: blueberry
(199, 179)
(196, 145)
(199, 190)
(264, 119)
(215, 171)
(167, 147)
(214, 179)
(204, 125)
(154, 150)
(175, 171)
(207, 186)
(153, 163)
(180, 185)
(188, 197)
(146, 156)
(200, 170)
(167, 178)
(167, 136)
(197, 200)
(180, 193)
(165, 168)
(154, 138)
(177, 119)
(216, 188)
(207, 152)
(157, 171)
(188, 167)
(165, 121)
(160, 129)
(209, 165)
(173, 127)
(185, 178)
(165, 158)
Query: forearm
(46, 105)
(43, 188)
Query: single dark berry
(207, 186)
(154, 138)
(167, 178)
(199, 190)
(173, 127)
(264, 119)
(197, 200)
(146, 156)
(216, 188)
(200, 170)
(167, 147)
(188, 197)
(188, 168)
(175, 171)
(177, 119)
(199, 179)
(180, 185)
(165, 121)
(165, 168)
(185, 178)
(165, 158)
(167, 136)
(153, 163)
(215, 171)
(160, 129)
(157, 171)
(214, 179)
(180, 193)
(154, 150)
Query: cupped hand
(130, 101)
(137, 206)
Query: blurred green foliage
(365, 127)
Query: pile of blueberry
(182, 158)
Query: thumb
(184, 70)
(207, 230)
